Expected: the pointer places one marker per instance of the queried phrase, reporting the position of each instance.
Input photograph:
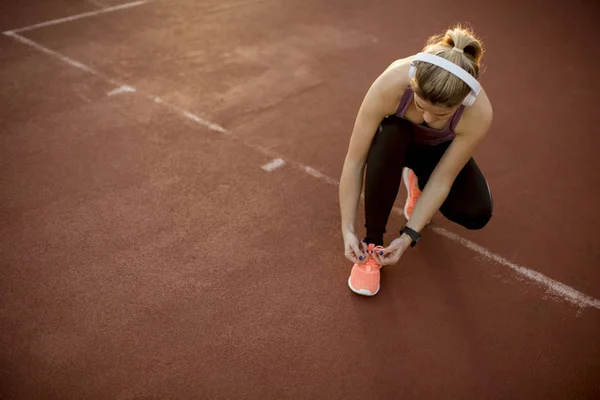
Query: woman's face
(433, 113)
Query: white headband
(451, 67)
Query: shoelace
(371, 262)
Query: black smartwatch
(412, 234)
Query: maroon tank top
(425, 135)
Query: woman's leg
(385, 162)
(469, 202)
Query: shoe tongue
(372, 263)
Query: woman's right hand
(353, 249)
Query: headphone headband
(450, 67)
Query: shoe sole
(405, 181)
(362, 292)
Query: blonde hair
(438, 86)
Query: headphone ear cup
(469, 99)
(412, 71)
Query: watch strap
(412, 234)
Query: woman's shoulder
(479, 115)
(393, 81)
(397, 71)
(482, 108)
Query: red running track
(148, 256)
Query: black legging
(469, 202)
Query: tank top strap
(456, 117)
(404, 102)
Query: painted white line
(53, 53)
(398, 211)
(319, 175)
(193, 117)
(62, 58)
(78, 16)
(273, 165)
(122, 89)
(121, 86)
(553, 287)
(556, 288)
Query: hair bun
(436, 85)
(465, 40)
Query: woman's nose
(428, 118)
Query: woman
(419, 122)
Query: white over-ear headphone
(452, 68)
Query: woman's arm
(437, 188)
(379, 102)
(351, 181)
(454, 159)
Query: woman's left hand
(394, 251)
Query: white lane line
(53, 53)
(561, 290)
(121, 86)
(78, 16)
(122, 89)
(553, 287)
(193, 117)
(62, 58)
(319, 175)
(273, 165)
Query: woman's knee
(481, 218)
(474, 219)
(473, 208)
(477, 221)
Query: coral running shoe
(412, 190)
(364, 278)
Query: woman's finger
(378, 255)
(390, 258)
(360, 256)
(352, 256)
